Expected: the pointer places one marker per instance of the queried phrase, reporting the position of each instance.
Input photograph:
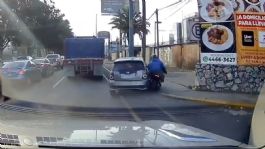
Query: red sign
(250, 20)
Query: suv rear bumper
(128, 84)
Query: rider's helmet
(154, 57)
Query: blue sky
(82, 16)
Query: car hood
(108, 134)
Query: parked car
(128, 73)
(4, 63)
(24, 71)
(24, 58)
(45, 66)
(55, 60)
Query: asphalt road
(90, 98)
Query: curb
(213, 102)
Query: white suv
(128, 73)
(55, 60)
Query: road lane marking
(170, 116)
(106, 69)
(167, 114)
(105, 77)
(55, 76)
(135, 116)
(58, 82)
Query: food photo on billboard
(218, 43)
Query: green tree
(121, 22)
(31, 23)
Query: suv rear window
(38, 61)
(53, 56)
(130, 66)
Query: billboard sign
(217, 43)
(112, 7)
(104, 34)
(194, 34)
(250, 30)
(191, 29)
(247, 33)
(215, 10)
(217, 33)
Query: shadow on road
(128, 92)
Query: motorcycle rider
(156, 66)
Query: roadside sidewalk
(183, 78)
(178, 85)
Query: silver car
(45, 66)
(128, 73)
(24, 58)
(55, 60)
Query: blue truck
(84, 56)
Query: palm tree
(121, 22)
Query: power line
(179, 1)
(170, 5)
(151, 15)
(177, 10)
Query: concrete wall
(181, 56)
(177, 56)
(246, 79)
(167, 57)
(191, 56)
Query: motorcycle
(154, 82)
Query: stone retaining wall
(246, 79)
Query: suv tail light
(144, 76)
(111, 76)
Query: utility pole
(109, 50)
(131, 29)
(154, 51)
(157, 32)
(120, 42)
(118, 48)
(96, 25)
(144, 30)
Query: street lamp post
(131, 29)
(144, 30)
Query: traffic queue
(25, 70)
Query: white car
(128, 73)
(24, 58)
(55, 60)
